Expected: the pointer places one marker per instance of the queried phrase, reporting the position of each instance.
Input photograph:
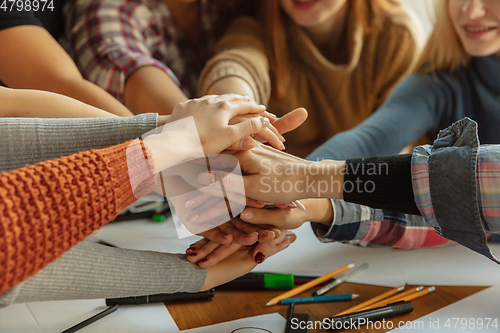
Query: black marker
(161, 298)
(389, 310)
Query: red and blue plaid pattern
(111, 39)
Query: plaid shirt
(111, 39)
(365, 226)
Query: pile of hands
(222, 196)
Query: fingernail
(192, 248)
(282, 146)
(192, 244)
(253, 234)
(190, 203)
(194, 254)
(246, 215)
(248, 143)
(282, 138)
(202, 260)
(277, 232)
(259, 258)
(264, 121)
(292, 205)
(227, 236)
(272, 115)
(265, 203)
(206, 178)
(193, 219)
(300, 205)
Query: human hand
(212, 116)
(317, 210)
(274, 176)
(287, 123)
(243, 260)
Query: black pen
(90, 320)
(362, 317)
(289, 319)
(160, 298)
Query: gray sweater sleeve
(91, 271)
(32, 140)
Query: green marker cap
(158, 218)
(278, 281)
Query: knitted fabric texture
(47, 208)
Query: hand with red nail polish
(241, 261)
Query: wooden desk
(232, 305)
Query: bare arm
(149, 89)
(42, 104)
(31, 59)
(231, 84)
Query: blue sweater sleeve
(415, 106)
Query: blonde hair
(444, 50)
(366, 12)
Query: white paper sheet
(18, 318)
(270, 323)
(54, 317)
(481, 309)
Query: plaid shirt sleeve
(111, 39)
(364, 226)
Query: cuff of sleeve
(450, 168)
(381, 182)
(228, 68)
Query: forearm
(91, 271)
(150, 89)
(71, 197)
(89, 93)
(47, 139)
(233, 85)
(365, 226)
(41, 104)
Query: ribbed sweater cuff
(381, 182)
(133, 173)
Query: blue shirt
(425, 103)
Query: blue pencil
(328, 298)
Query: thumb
(246, 143)
(250, 126)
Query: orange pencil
(310, 284)
(371, 301)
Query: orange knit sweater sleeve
(47, 208)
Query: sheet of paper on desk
(270, 323)
(18, 318)
(475, 314)
(57, 316)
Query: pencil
(394, 298)
(315, 299)
(418, 294)
(310, 284)
(372, 301)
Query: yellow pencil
(412, 294)
(392, 299)
(310, 284)
(372, 301)
(418, 294)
